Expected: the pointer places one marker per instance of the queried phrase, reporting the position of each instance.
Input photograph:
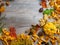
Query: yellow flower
(51, 3)
(27, 36)
(45, 17)
(22, 36)
(5, 31)
(49, 28)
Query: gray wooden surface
(23, 13)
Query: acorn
(7, 3)
(41, 10)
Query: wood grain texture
(23, 12)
